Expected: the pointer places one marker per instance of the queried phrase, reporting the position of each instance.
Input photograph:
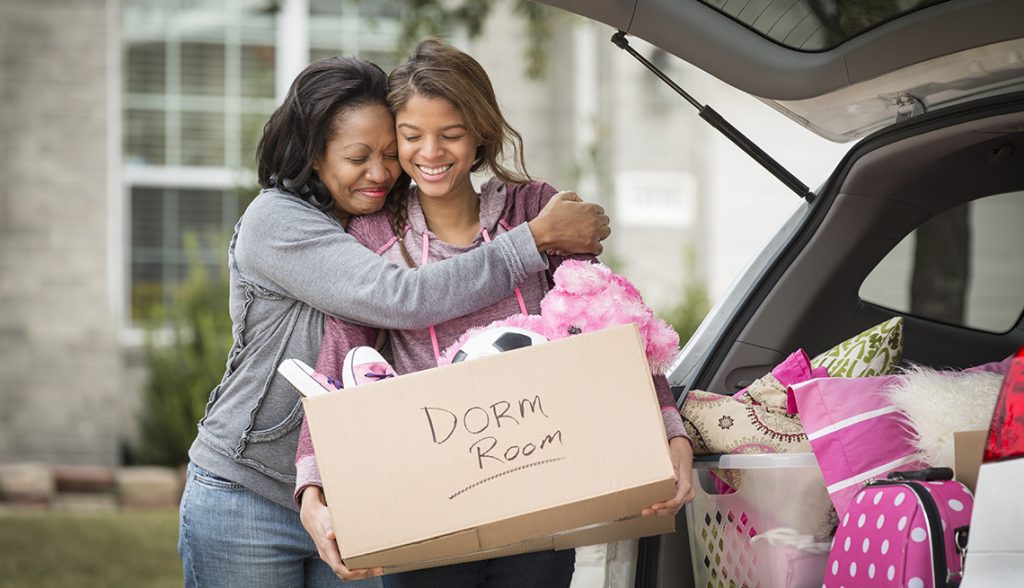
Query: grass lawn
(125, 548)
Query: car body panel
(857, 110)
(844, 77)
(996, 544)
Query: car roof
(841, 92)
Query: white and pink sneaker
(364, 365)
(305, 380)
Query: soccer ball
(495, 340)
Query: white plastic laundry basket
(772, 532)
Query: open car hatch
(841, 68)
(723, 126)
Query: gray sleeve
(289, 247)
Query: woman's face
(360, 163)
(435, 147)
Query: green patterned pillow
(875, 352)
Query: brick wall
(60, 363)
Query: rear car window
(963, 267)
(814, 25)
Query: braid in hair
(396, 211)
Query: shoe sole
(348, 375)
(300, 376)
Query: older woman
(328, 153)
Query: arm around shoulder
(289, 247)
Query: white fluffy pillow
(936, 404)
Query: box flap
(536, 544)
(631, 528)
(437, 548)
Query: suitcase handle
(925, 475)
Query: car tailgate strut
(715, 120)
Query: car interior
(889, 185)
(922, 218)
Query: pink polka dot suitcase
(902, 532)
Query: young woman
(328, 153)
(449, 125)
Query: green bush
(186, 349)
(694, 304)
(687, 315)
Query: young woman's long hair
(299, 130)
(438, 70)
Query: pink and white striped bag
(854, 431)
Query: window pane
(200, 212)
(202, 138)
(147, 218)
(386, 60)
(320, 8)
(380, 9)
(146, 68)
(316, 54)
(144, 140)
(997, 272)
(147, 291)
(163, 219)
(252, 131)
(258, 71)
(961, 267)
(202, 69)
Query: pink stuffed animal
(589, 297)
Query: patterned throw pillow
(875, 352)
(754, 421)
(761, 418)
(721, 424)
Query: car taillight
(1006, 433)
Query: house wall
(59, 351)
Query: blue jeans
(230, 537)
(544, 569)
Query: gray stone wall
(60, 360)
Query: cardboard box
(968, 449)
(548, 447)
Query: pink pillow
(996, 367)
(794, 369)
(855, 432)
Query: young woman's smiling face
(360, 163)
(435, 147)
